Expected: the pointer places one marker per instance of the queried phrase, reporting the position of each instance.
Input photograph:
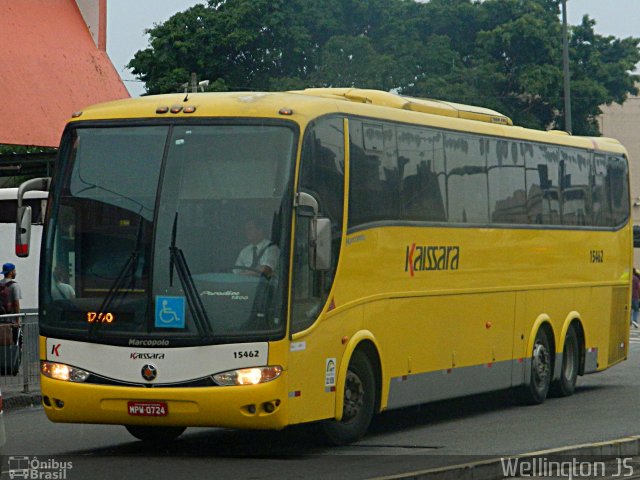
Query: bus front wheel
(541, 371)
(566, 384)
(155, 434)
(359, 403)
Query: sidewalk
(14, 397)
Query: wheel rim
(569, 360)
(540, 365)
(353, 397)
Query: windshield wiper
(177, 260)
(128, 269)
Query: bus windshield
(170, 235)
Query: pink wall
(49, 68)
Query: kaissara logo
(146, 356)
(420, 258)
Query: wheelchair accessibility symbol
(169, 312)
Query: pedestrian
(10, 292)
(10, 296)
(635, 298)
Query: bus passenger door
(318, 219)
(313, 358)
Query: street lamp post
(565, 68)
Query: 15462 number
(597, 256)
(246, 354)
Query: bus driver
(260, 256)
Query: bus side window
(617, 183)
(507, 190)
(375, 174)
(421, 165)
(543, 185)
(322, 176)
(575, 193)
(466, 185)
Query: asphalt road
(605, 406)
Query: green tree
(599, 73)
(502, 54)
(523, 48)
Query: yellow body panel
(449, 319)
(487, 311)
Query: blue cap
(8, 267)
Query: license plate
(148, 409)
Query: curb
(21, 400)
(493, 469)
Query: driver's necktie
(254, 260)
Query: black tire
(157, 435)
(566, 384)
(359, 403)
(541, 372)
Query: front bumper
(247, 407)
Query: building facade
(620, 122)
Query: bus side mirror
(23, 220)
(23, 231)
(320, 242)
(306, 204)
(319, 232)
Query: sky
(126, 22)
(128, 19)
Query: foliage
(502, 54)
(24, 150)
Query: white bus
(27, 267)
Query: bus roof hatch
(392, 100)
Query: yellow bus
(258, 260)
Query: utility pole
(565, 68)
(194, 83)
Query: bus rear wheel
(155, 434)
(541, 371)
(359, 403)
(566, 384)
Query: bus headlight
(248, 376)
(60, 371)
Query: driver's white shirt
(268, 258)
